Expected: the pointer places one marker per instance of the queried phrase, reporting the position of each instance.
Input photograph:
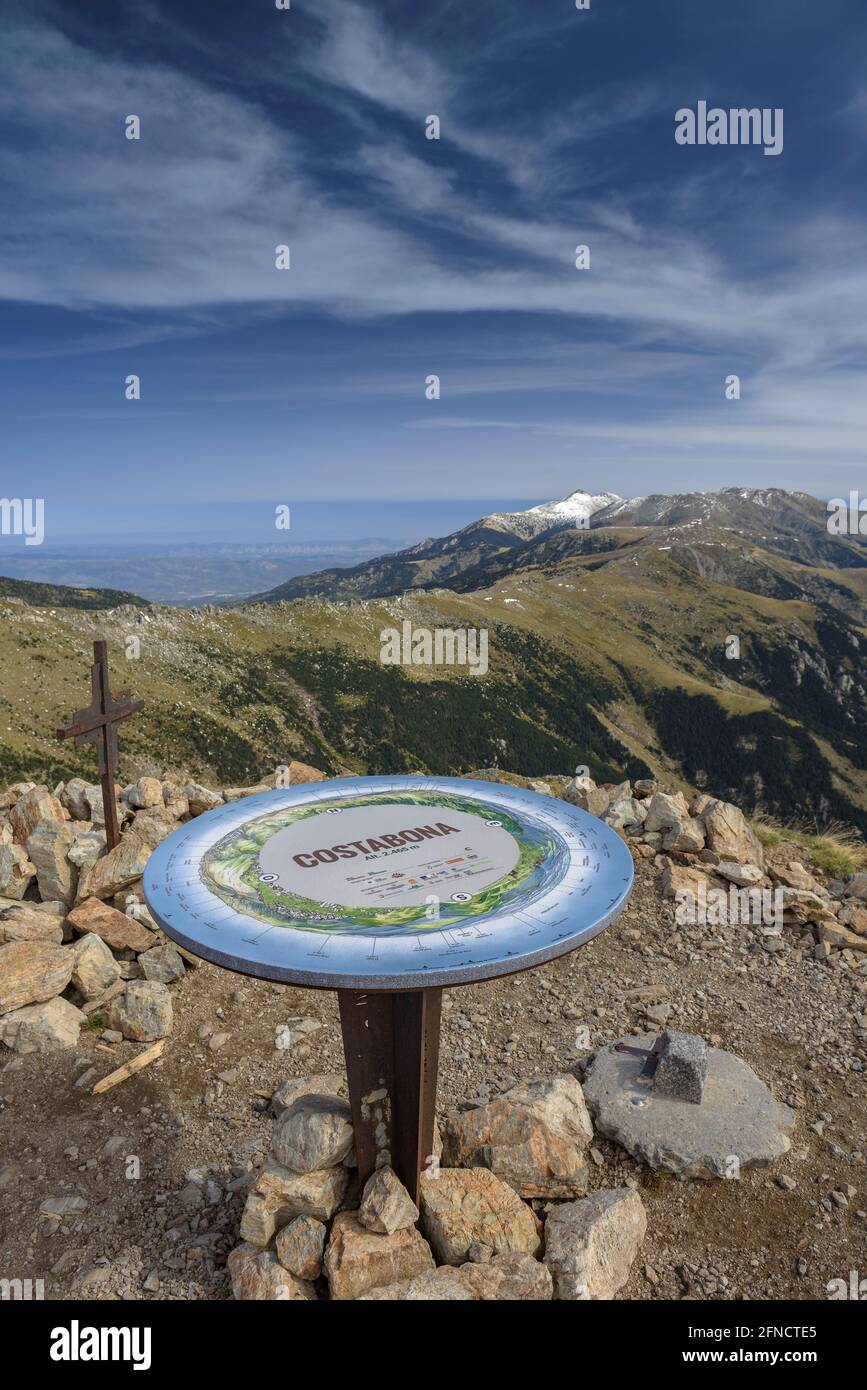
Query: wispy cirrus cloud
(175, 234)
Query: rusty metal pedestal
(391, 1043)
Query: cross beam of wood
(98, 724)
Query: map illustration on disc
(388, 882)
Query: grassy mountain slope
(61, 596)
(617, 660)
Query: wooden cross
(97, 724)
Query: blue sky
(412, 256)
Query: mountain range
(586, 526)
(717, 640)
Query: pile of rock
(503, 1213)
(707, 844)
(76, 938)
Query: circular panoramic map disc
(388, 882)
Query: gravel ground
(163, 1160)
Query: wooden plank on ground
(129, 1069)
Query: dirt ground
(163, 1160)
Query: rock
(358, 1260)
(856, 886)
(13, 792)
(303, 772)
(93, 796)
(578, 787)
(30, 809)
(31, 972)
(623, 812)
(47, 848)
(386, 1206)
(153, 824)
(676, 878)
(278, 1195)
(855, 918)
(117, 930)
(480, 1254)
(126, 862)
(163, 963)
(644, 787)
(87, 846)
(200, 799)
(682, 1067)
(539, 785)
(443, 1285)
(134, 908)
(506, 1278)
(328, 1083)
(595, 800)
(534, 1137)
(666, 812)
(95, 968)
(301, 1245)
(74, 798)
(834, 935)
(744, 875)
(686, 838)
(800, 905)
(738, 1125)
(61, 1208)
(16, 871)
(590, 1245)
(147, 791)
(42, 1027)
(175, 803)
(794, 875)
(288, 1034)
(314, 1132)
(238, 793)
(143, 1012)
(257, 1274)
(25, 923)
(461, 1207)
(730, 835)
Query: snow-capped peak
(574, 510)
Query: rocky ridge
(77, 942)
(535, 1140)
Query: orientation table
(388, 890)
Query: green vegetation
(60, 596)
(756, 760)
(837, 848)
